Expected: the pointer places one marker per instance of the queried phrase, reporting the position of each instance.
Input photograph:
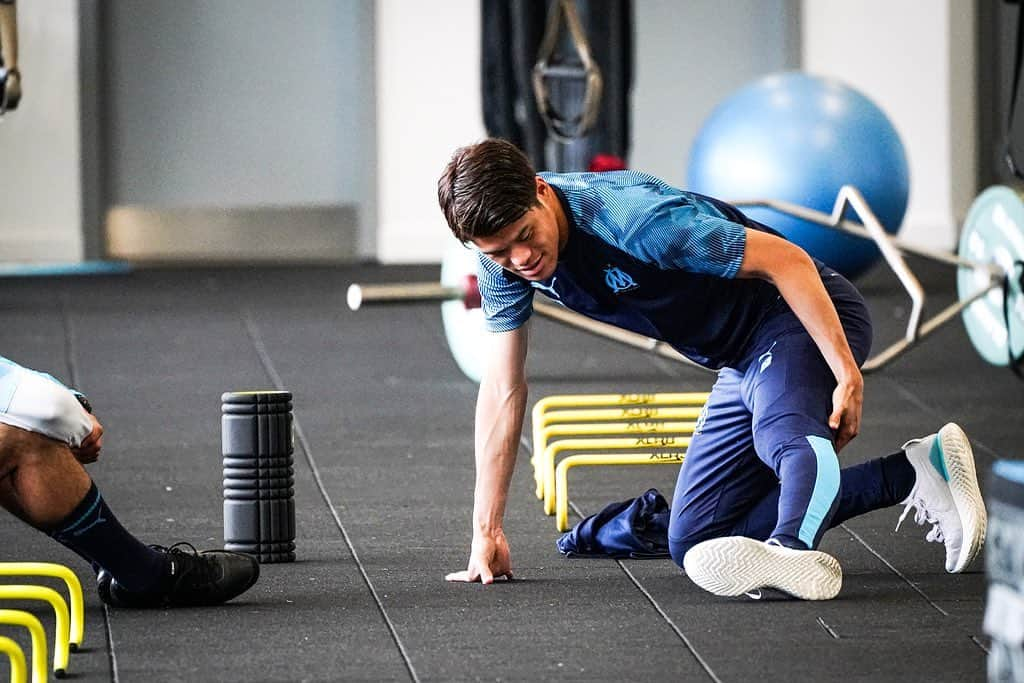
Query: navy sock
(898, 476)
(93, 532)
(868, 486)
(876, 484)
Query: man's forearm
(500, 408)
(499, 422)
(801, 287)
(794, 274)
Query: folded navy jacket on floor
(636, 528)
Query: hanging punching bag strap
(1014, 89)
(560, 126)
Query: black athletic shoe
(193, 579)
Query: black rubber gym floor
(383, 491)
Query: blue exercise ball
(799, 138)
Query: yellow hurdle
(16, 657)
(35, 629)
(609, 429)
(607, 408)
(594, 459)
(690, 398)
(628, 416)
(547, 461)
(60, 612)
(629, 406)
(56, 571)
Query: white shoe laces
(922, 516)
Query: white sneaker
(946, 494)
(735, 565)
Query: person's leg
(872, 485)
(724, 489)
(43, 484)
(934, 474)
(790, 408)
(722, 478)
(39, 489)
(787, 387)
(789, 391)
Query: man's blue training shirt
(646, 257)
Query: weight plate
(464, 327)
(993, 233)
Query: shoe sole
(736, 565)
(252, 582)
(963, 485)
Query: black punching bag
(563, 48)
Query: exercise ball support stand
(892, 251)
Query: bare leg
(42, 483)
(40, 480)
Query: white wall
(242, 105)
(916, 61)
(204, 104)
(40, 172)
(232, 104)
(428, 103)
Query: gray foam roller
(257, 446)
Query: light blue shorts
(37, 402)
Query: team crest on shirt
(618, 280)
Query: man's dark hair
(486, 187)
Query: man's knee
(684, 533)
(7, 450)
(20, 446)
(13, 441)
(797, 446)
(678, 549)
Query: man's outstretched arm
(500, 408)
